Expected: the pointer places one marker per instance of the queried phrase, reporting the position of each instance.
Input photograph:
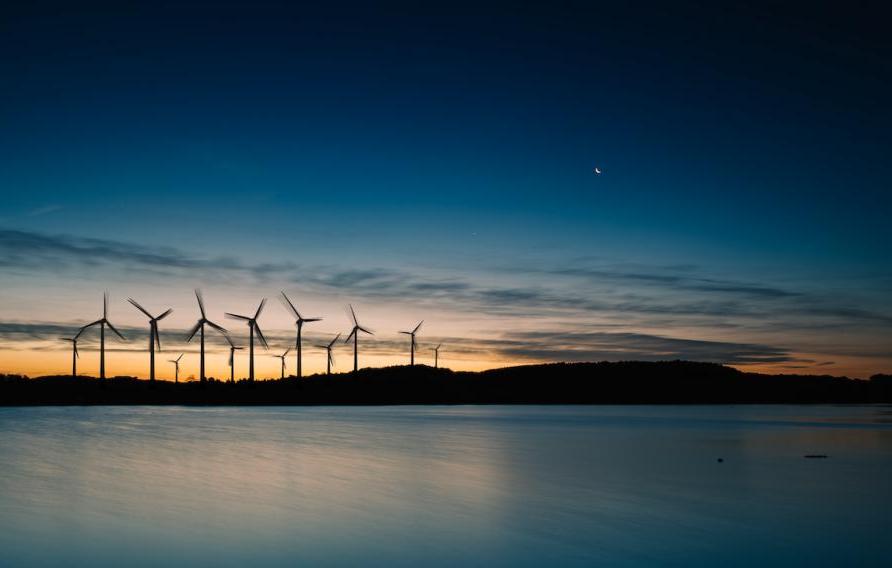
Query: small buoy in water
(815, 456)
(720, 460)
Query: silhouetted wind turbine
(354, 333)
(328, 350)
(282, 357)
(200, 326)
(154, 338)
(299, 323)
(412, 343)
(74, 354)
(102, 323)
(437, 355)
(176, 362)
(232, 349)
(252, 327)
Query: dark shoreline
(672, 382)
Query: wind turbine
(200, 326)
(282, 357)
(300, 324)
(102, 323)
(74, 354)
(437, 355)
(354, 333)
(412, 343)
(252, 327)
(328, 350)
(176, 362)
(232, 349)
(154, 338)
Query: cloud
(528, 345)
(677, 281)
(21, 249)
(45, 210)
(596, 346)
(662, 294)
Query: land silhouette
(670, 382)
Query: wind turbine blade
(219, 328)
(312, 319)
(238, 317)
(193, 332)
(104, 305)
(200, 302)
(78, 334)
(260, 335)
(180, 357)
(333, 341)
(118, 333)
(97, 322)
(417, 327)
(76, 354)
(140, 308)
(157, 335)
(260, 308)
(291, 305)
(406, 332)
(353, 313)
(351, 335)
(287, 351)
(164, 315)
(364, 330)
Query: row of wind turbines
(253, 329)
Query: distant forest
(671, 382)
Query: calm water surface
(497, 485)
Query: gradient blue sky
(435, 161)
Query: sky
(434, 161)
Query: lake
(475, 485)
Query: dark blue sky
(746, 142)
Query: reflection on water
(501, 485)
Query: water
(618, 486)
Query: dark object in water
(720, 460)
(815, 456)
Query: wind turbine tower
(299, 322)
(176, 372)
(252, 327)
(154, 338)
(282, 357)
(102, 323)
(354, 333)
(412, 343)
(437, 355)
(330, 357)
(199, 326)
(74, 354)
(232, 350)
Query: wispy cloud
(657, 295)
(45, 210)
(528, 345)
